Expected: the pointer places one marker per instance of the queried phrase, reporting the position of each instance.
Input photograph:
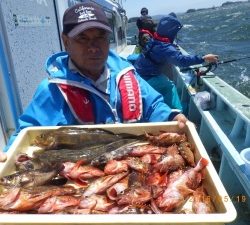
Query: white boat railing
(224, 127)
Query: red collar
(146, 31)
(163, 39)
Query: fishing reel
(202, 70)
(210, 67)
(198, 72)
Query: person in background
(161, 50)
(91, 84)
(146, 27)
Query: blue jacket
(160, 50)
(158, 53)
(49, 108)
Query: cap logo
(85, 14)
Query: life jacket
(146, 28)
(144, 31)
(79, 101)
(144, 37)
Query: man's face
(89, 51)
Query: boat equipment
(202, 70)
(210, 66)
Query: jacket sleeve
(173, 56)
(154, 108)
(47, 108)
(139, 23)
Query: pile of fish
(94, 171)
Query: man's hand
(181, 118)
(211, 58)
(3, 156)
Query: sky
(162, 7)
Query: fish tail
(203, 162)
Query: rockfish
(202, 203)
(101, 184)
(166, 138)
(27, 199)
(176, 192)
(28, 178)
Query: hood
(56, 65)
(168, 27)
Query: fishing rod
(210, 66)
(233, 60)
(204, 69)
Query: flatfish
(117, 153)
(87, 154)
(76, 138)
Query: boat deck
(237, 100)
(127, 51)
(225, 131)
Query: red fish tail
(203, 162)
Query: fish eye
(42, 135)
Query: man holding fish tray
(91, 84)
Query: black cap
(144, 10)
(83, 16)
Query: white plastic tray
(225, 209)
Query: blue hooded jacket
(49, 108)
(158, 53)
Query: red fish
(135, 196)
(137, 193)
(117, 189)
(186, 152)
(173, 176)
(101, 184)
(80, 173)
(97, 202)
(77, 211)
(166, 138)
(170, 162)
(128, 209)
(142, 150)
(115, 166)
(31, 199)
(202, 203)
(151, 158)
(157, 179)
(137, 164)
(177, 191)
(58, 203)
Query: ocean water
(224, 31)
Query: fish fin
(203, 162)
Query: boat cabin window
(120, 35)
(111, 22)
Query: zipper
(88, 88)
